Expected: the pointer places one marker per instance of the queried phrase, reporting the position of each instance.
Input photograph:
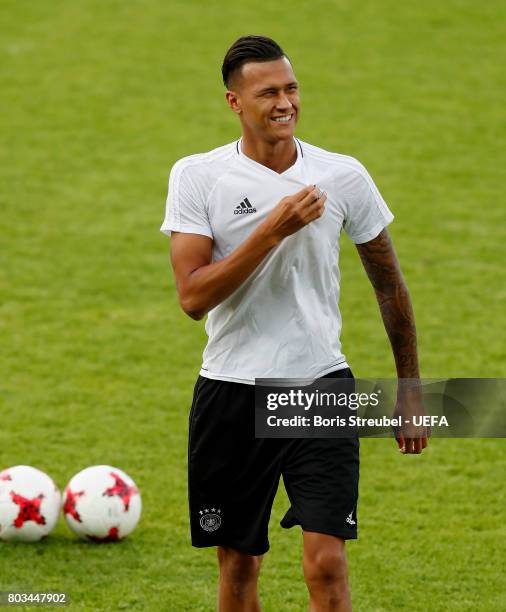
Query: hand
(411, 438)
(295, 212)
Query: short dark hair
(249, 49)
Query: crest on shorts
(210, 519)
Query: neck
(277, 156)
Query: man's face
(265, 95)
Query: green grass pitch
(97, 362)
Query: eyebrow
(274, 88)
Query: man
(255, 229)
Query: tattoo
(382, 267)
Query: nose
(283, 103)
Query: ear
(233, 101)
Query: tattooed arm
(382, 267)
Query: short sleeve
(367, 213)
(185, 209)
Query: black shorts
(233, 476)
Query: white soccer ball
(29, 504)
(102, 504)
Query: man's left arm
(382, 267)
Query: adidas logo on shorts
(244, 208)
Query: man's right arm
(202, 285)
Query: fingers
(408, 446)
(308, 203)
(411, 446)
(312, 197)
(303, 194)
(400, 442)
(312, 205)
(319, 201)
(316, 209)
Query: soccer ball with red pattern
(102, 504)
(29, 504)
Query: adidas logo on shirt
(244, 208)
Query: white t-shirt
(284, 320)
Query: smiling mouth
(283, 118)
